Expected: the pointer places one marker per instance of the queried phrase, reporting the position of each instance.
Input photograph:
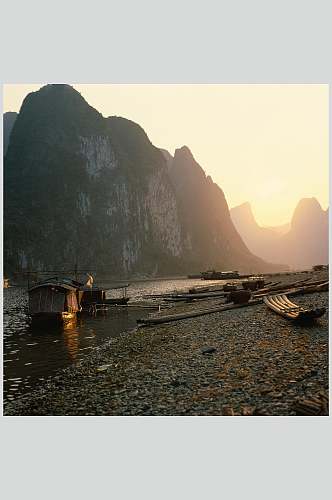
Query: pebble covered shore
(247, 361)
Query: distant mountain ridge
(260, 240)
(83, 188)
(204, 214)
(303, 245)
(306, 244)
(9, 119)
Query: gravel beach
(247, 361)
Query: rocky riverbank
(247, 361)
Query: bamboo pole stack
(291, 289)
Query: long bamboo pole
(201, 312)
(217, 294)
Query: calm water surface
(31, 355)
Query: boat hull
(53, 318)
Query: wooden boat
(92, 295)
(54, 300)
(283, 306)
(219, 275)
(239, 297)
(96, 296)
(118, 301)
(253, 284)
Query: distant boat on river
(219, 275)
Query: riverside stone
(275, 349)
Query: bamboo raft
(283, 306)
(297, 288)
(219, 293)
(318, 405)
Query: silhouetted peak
(59, 108)
(244, 207)
(56, 99)
(60, 91)
(307, 211)
(184, 153)
(244, 212)
(9, 115)
(185, 162)
(307, 205)
(55, 91)
(9, 119)
(58, 87)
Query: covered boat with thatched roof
(54, 300)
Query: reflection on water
(32, 354)
(71, 340)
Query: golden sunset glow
(266, 144)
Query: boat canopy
(64, 286)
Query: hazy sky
(266, 144)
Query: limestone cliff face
(83, 188)
(207, 227)
(75, 191)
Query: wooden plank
(202, 312)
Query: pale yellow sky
(266, 144)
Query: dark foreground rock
(262, 365)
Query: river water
(30, 355)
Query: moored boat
(92, 295)
(253, 283)
(117, 301)
(96, 296)
(54, 301)
(219, 275)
